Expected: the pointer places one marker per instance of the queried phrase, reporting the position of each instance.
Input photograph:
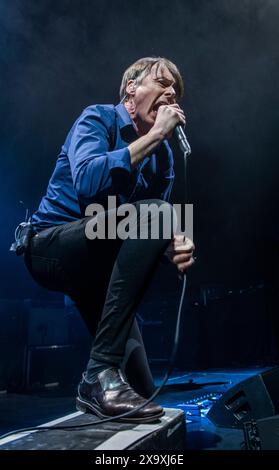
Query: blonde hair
(142, 67)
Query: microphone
(182, 140)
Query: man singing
(119, 151)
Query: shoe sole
(85, 407)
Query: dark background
(57, 57)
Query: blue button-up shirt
(94, 163)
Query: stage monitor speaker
(262, 434)
(254, 398)
(51, 366)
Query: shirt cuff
(120, 159)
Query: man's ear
(131, 88)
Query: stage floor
(22, 410)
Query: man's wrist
(156, 134)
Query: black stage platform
(190, 392)
(167, 433)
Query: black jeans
(106, 278)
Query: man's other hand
(180, 252)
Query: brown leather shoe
(111, 395)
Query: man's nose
(170, 93)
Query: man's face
(156, 89)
